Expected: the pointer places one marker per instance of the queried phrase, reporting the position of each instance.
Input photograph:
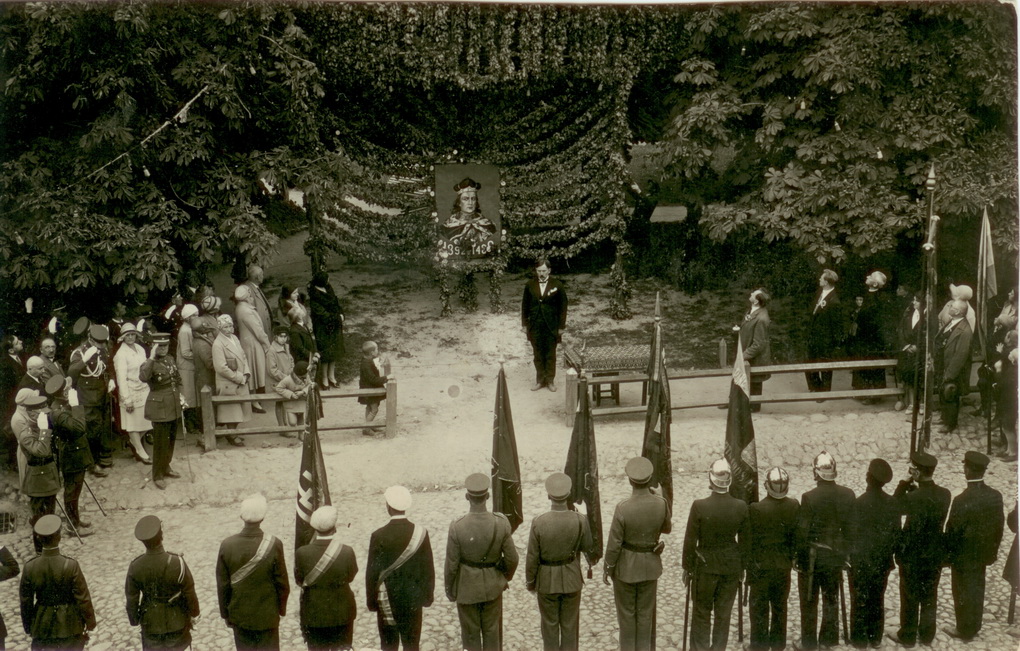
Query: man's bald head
(34, 366)
(958, 309)
(255, 274)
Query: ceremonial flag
(506, 468)
(986, 283)
(739, 448)
(583, 469)
(656, 443)
(313, 489)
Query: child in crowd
(374, 373)
(295, 388)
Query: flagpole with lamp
(920, 436)
(987, 288)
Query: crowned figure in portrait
(467, 228)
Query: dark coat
(925, 506)
(329, 601)
(160, 593)
(826, 515)
(70, 432)
(826, 326)
(412, 586)
(205, 372)
(8, 570)
(1011, 570)
(11, 371)
(370, 378)
(717, 528)
(876, 325)
(29, 382)
(909, 334)
(876, 528)
(302, 343)
(773, 534)
(544, 315)
(974, 527)
(55, 600)
(327, 318)
(637, 522)
(260, 600)
(952, 356)
(163, 404)
(754, 338)
(41, 479)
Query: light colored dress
(254, 341)
(230, 365)
(130, 389)
(186, 364)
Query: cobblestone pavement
(432, 454)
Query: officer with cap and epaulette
(773, 525)
(56, 608)
(163, 406)
(553, 569)
(973, 534)
(67, 420)
(633, 556)
(872, 545)
(91, 375)
(480, 561)
(823, 538)
(160, 591)
(920, 549)
(717, 528)
(40, 482)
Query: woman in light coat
(131, 391)
(232, 375)
(254, 340)
(186, 366)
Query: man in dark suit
(952, 363)
(717, 528)
(544, 318)
(553, 568)
(480, 561)
(33, 377)
(160, 591)
(92, 376)
(67, 420)
(919, 551)
(773, 528)
(251, 581)
(162, 406)
(8, 570)
(826, 330)
(973, 534)
(876, 527)
(755, 339)
(12, 367)
(634, 556)
(56, 608)
(48, 353)
(823, 533)
(876, 333)
(324, 568)
(401, 578)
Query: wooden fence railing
(210, 431)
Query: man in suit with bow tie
(952, 363)
(543, 319)
(825, 330)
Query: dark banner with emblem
(583, 470)
(313, 488)
(506, 468)
(656, 446)
(740, 450)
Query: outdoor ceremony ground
(445, 371)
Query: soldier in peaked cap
(91, 375)
(717, 527)
(872, 545)
(73, 454)
(480, 561)
(553, 569)
(973, 534)
(919, 551)
(56, 608)
(773, 525)
(401, 577)
(324, 568)
(633, 556)
(32, 429)
(160, 591)
(823, 534)
(163, 406)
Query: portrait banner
(467, 206)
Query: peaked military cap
(161, 338)
(80, 326)
(557, 486)
(975, 459)
(477, 484)
(924, 460)
(99, 332)
(47, 525)
(148, 527)
(54, 386)
(639, 470)
(880, 470)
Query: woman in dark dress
(910, 333)
(328, 316)
(303, 345)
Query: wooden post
(570, 396)
(391, 408)
(723, 353)
(208, 419)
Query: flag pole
(920, 436)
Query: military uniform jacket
(480, 557)
(773, 534)
(70, 432)
(41, 479)
(637, 523)
(55, 600)
(557, 539)
(925, 507)
(876, 528)
(259, 601)
(974, 527)
(717, 527)
(329, 601)
(163, 404)
(412, 585)
(544, 314)
(160, 593)
(824, 522)
(91, 378)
